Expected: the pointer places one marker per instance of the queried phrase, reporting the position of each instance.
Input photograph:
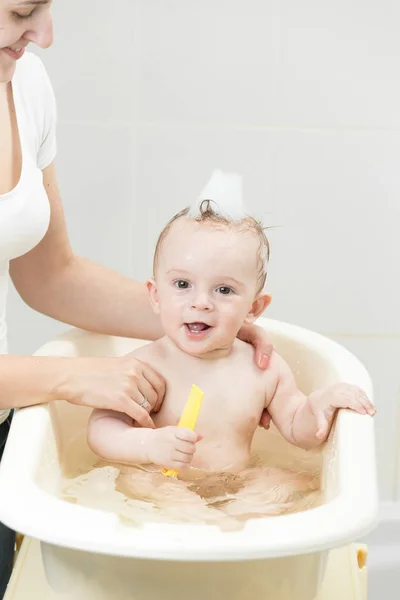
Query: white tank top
(25, 211)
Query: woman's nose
(42, 33)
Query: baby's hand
(172, 447)
(340, 395)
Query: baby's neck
(215, 354)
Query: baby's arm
(306, 421)
(111, 436)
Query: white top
(25, 211)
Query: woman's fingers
(157, 383)
(147, 387)
(258, 338)
(149, 395)
(131, 406)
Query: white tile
(262, 62)
(333, 195)
(92, 60)
(339, 63)
(95, 173)
(381, 358)
(335, 259)
(205, 62)
(174, 163)
(95, 166)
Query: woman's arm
(120, 384)
(53, 280)
(26, 381)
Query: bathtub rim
(313, 531)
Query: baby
(209, 274)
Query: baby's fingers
(368, 406)
(360, 403)
(322, 426)
(185, 447)
(362, 408)
(187, 435)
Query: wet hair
(208, 215)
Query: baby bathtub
(90, 553)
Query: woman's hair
(209, 216)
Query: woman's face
(22, 22)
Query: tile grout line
(230, 126)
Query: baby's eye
(223, 289)
(182, 284)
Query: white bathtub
(91, 554)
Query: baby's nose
(201, 302)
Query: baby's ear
(153, 295)
(257, 308)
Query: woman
(35, 250)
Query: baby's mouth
(197, 327)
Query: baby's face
(205, 285)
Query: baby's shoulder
(242, 351)
(153, 353)
(147, 352)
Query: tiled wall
(303, 98)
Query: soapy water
(140, 495)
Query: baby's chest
(225, 404)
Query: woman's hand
(126, 385)
(257, 337)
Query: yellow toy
(188, 418)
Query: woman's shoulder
(35, 98)
(30, 73)
(32, 84)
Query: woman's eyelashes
(22, 17)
